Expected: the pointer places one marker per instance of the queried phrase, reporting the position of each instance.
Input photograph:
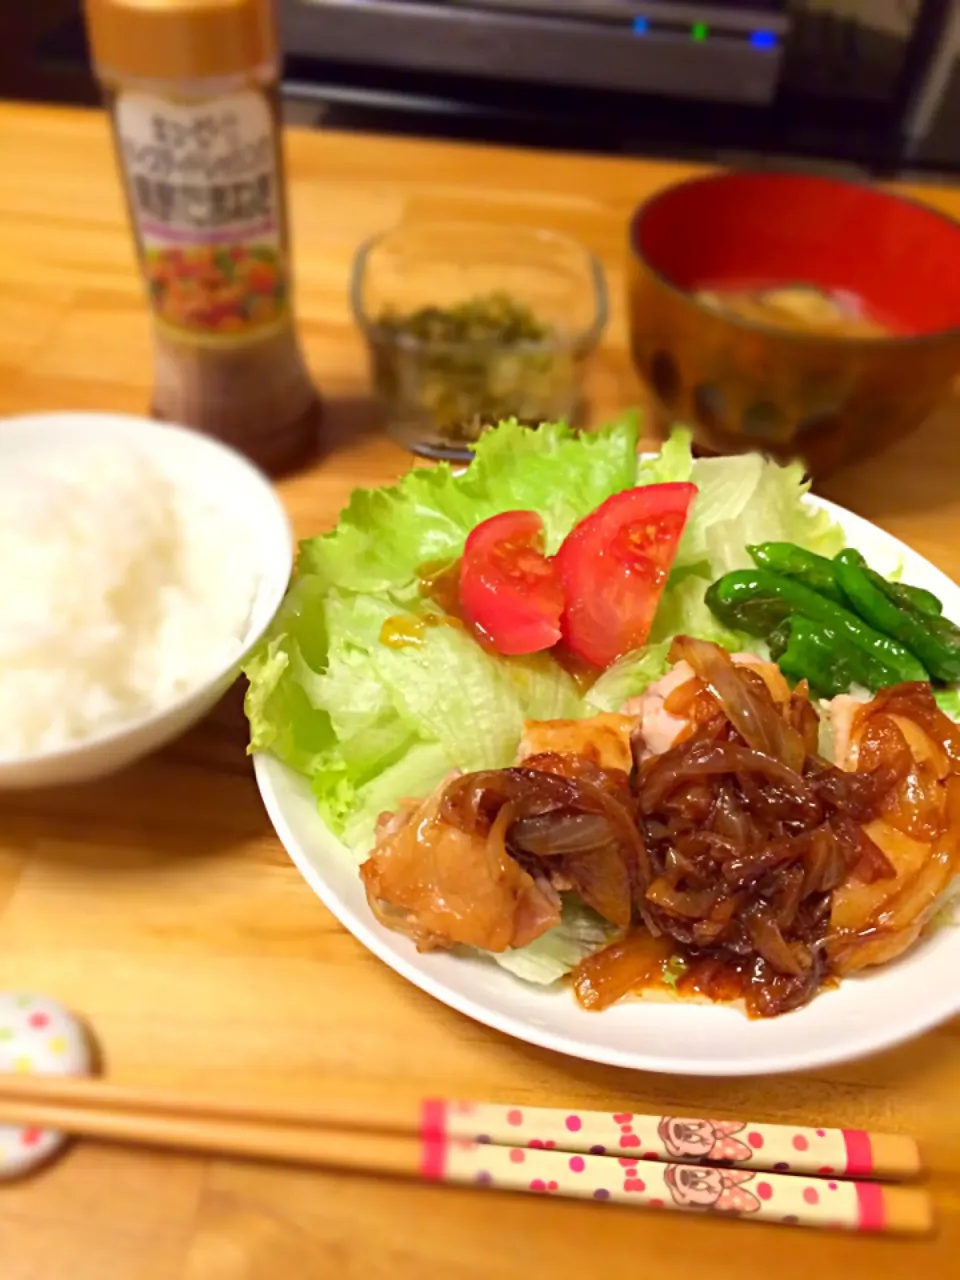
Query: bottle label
(202, 180)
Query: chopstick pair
(773, 1173)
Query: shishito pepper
(935, 640)
(916, 598)
(758, 601)
(816, 572)
(819, 654)
(820, 575)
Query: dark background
(868, 84)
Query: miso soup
(802, 308)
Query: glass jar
(468, 324)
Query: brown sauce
(718, 980)
(640, 963)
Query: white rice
(120, 591)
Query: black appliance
(868, 83)
(727, 50)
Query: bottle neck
(265, 77)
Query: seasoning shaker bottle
(192, 90)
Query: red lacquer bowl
(747, 385)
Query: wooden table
(160, 905)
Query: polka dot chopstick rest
(36, 1035)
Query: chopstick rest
(37, 1035)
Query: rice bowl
(141, 563)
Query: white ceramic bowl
(219, 476)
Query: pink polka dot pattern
(684, 1187)
(36, 1034)
(783, 1148)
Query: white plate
(861, 1016)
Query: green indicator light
(699, 31)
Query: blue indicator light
(640, 26)
(763, 40)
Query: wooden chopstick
(750, 1194)
(749, 1145)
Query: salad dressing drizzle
(439, 583)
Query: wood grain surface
(161, 907)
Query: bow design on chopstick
(720, 1189)
(702, 1139)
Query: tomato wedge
(509, 590)
(613, 568)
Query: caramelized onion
(576, 819)
(753, 716)
(669, 770)
(557, 834)
(688, 904)
(765, 868)
(770, 943)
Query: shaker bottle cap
(180, 39)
